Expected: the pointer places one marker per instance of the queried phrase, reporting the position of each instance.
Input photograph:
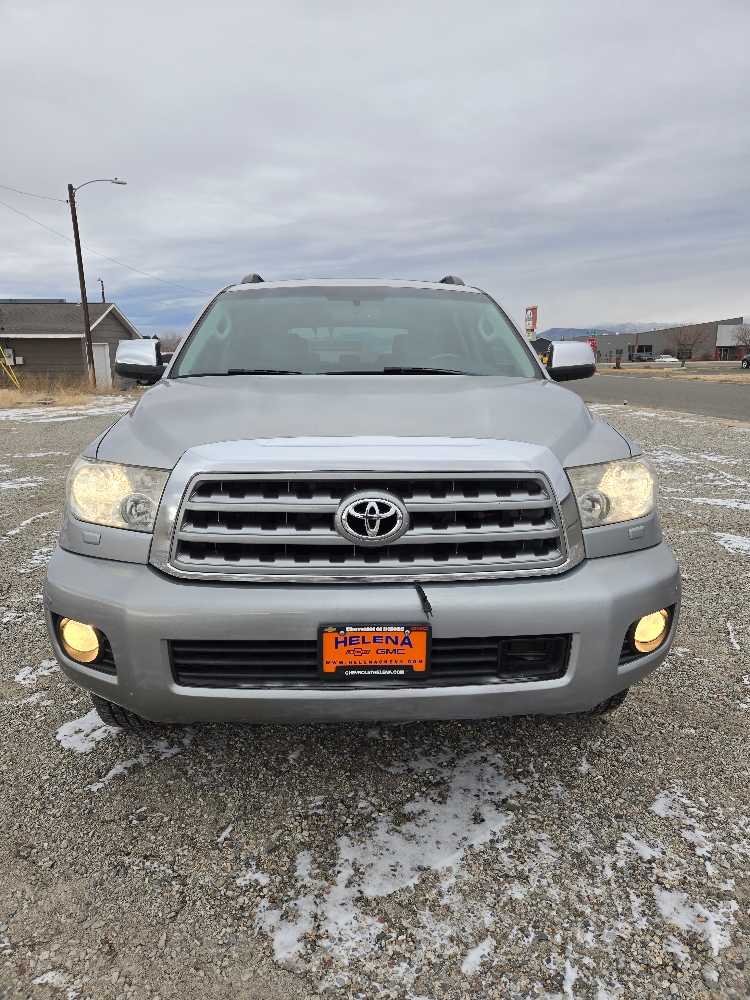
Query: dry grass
(681, 374)
(63, 390)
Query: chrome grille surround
(262, 527)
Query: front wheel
(609, 704)
(746, 364)
(121, 718)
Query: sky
(589, 158)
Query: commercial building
(46, 337)
(717, 340)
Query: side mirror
(570, 360)
(139, 359)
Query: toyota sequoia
(358, 500)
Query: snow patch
(82, 735)
(719, 459)
(60, 980)
(390, 857)
(733, 543)
(669, 804)
(287, 933)
(98, 406)
(160, 750)
(665, 457)
(39, 454)
(21, 483)
(711, 925)
(24, 524)
(731, 504)
(569, 979)
(732, 636)
(678, 949)
(252, 874)
(28, 676)
(639, 847)
(39, 557)
(476, 956)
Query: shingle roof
(46, 317)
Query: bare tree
(684, 340)
(169, 340)
(742, 336)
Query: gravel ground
(515, 858)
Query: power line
(96, 253)
(36, 221)
(30, 194)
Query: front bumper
(139, 610)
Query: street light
(81, 277)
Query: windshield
(354, 330)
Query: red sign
(531, 317)
(594, 342)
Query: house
(45, 337)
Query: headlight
(613, 491)
(120, 496)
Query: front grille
(262, 527)
(294, 663)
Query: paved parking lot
(520, 858)
(716, 399)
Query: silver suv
(358, 500)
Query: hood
(177, 415)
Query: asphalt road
(516, 859)
(712, 399)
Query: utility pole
(102, 284)
(81, 277)
(82, 282)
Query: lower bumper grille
(106, 660)
(294, 663)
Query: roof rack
(253, 279)
(451, 279)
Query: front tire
(746, 364)
(121, 718)
(609, 705)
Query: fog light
(80, 642)
(650, 631)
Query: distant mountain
(568, 332)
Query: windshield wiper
(407, 370)
(398, 371)
(240, 371)
(262, 371)
(353, 371)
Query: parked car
(746, 361)
(358, 500)
(642, 356)
(668, 359)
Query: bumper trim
(139, 609)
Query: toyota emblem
(371, 518)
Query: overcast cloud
(590, 157)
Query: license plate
(362, 652)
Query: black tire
(609, 704)
(115, 715)
(746, 364)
